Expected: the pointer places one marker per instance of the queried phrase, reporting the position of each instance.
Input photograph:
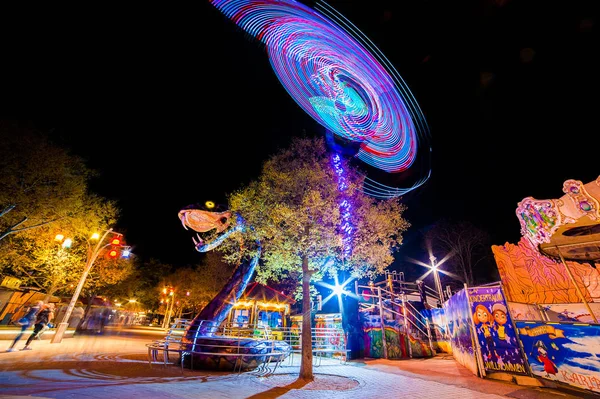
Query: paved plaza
(115, 365)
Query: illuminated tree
(294, 210)
(203, 282)
(141, 284)
(40, 182)
(43, 192)
(39, 261)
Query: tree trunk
(306, 365)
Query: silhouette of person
(26, 322)
(42, 318)
(76, 316)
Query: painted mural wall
(576, 312)
(524, 311)
(440, 336)
(458, 317)
(399, 344)
(529, 277)
(565, 352)
(494, 331)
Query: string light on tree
(345, 207)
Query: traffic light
(113, 253)
(116, 241)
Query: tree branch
(7, 209)
(14, 230)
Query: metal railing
(383, 301)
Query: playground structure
(397, 319)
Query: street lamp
(169, 308)
(91, 258)
(436, 278)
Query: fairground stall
(552, 285)
(262, 306)
(541, 319)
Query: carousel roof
(259, 292)
(567, 227)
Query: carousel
(555, 260)
(262, 306)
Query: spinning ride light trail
(345, 207)
(336, 75)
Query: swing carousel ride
(337, 76)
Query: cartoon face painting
(482, 315)
(499, 314)
(483, 318)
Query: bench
(264, 368)
(155, 347)
(162, 346)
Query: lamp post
(91, 258)
(169, 309)
(436, 278)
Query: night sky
(175, 105)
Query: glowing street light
(436, 277)
(125, 253)
(434, 267)
(91, 258)
(337, 290)
(169, 308)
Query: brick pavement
(115, 365)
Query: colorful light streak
(345, 207)
(341, 79)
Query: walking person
(25, 322)
(42, 318)
(76, 316)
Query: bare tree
(467, 244)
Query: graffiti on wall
(563, 352)
(458, 317)
(397, 344)
(494, 331)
